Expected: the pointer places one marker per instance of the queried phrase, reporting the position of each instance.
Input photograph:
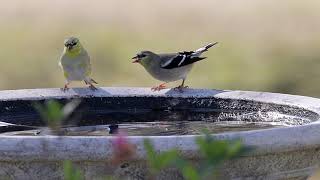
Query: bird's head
(144, 57)
(72, 44)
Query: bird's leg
(92, 87)
(160, 87)
(92, 80)
(65, 88)
(181, 87)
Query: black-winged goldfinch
(170, 67)
(75, 63)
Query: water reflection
(160, 123)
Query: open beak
(135, 59)
(69, 47)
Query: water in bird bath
(166, 123)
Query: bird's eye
(142, 55)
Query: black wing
(182, 59)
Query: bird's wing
(179, 59)
(85, 65)
(60, 59)
(65, 66)
(60, 65)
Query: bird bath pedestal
(278, 153)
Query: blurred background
(263, 45)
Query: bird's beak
(69, 47)
(135, 59)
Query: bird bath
(282, 129)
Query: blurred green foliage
(264, 45)
(54, 114)
(160, 161)
(71, 172)
(213, 153)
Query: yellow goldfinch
(75, 63)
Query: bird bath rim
(292, 144)
(17, 101)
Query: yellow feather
(74, 51)
(66, 75)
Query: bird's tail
(203, 49)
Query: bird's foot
(180, 88)
(94, 81)
(158, 88)
(92, 87)
(65, 88)
(90, 81)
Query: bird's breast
(169, 75)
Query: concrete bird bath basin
(283, 130)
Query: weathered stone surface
(280, 153)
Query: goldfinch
(75, 63)
(170, 67)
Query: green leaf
(159, 161)
(190, 173)
(70, 173)
(53, 113)
(213, 153)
